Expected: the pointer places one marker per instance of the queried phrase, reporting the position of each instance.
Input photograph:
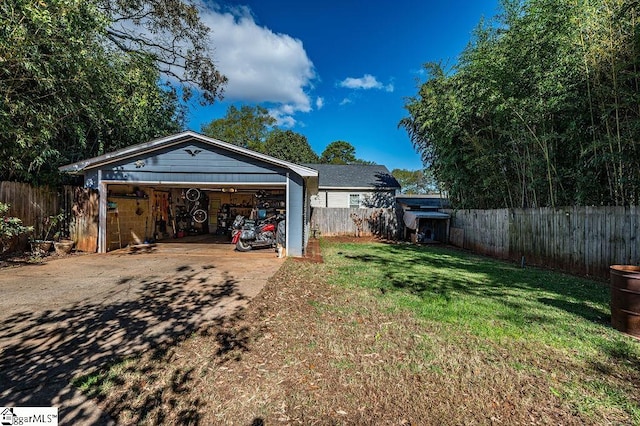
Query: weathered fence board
(339, 221)
(584, 240)
(31, 204)
(84, 227)
(34, 204)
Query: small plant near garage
(11, 228)
(50, 229)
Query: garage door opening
(167, 213)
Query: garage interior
(148, 214)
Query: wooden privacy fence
(378, 222)
(34, 204)
(31, 204)
(584, 240)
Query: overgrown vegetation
(80, 78)
(540, 110)
(393, 334)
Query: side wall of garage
(295, 215)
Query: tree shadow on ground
(534, 297)
(452, 273)
(41, 353)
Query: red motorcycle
(248, 234)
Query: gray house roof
(354, 176)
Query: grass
(492, 299)
(543, 319)
(393, 334)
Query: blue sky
(336, 70)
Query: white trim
(102, 214)
(286, 224)
(351, 206)
(357, 188)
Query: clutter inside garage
(140, 214)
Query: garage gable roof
(137, 150)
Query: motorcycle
(249, 234)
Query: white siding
(341, 198)
(319, 200)
(338, 199)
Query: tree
(170, 32)
(415, 181)
(289, 146)
(247, 127)
(540, 110)
(71, 90)
(338, 152)
(341, 152)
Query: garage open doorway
(164, 213)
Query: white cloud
(366, 82)
(319, 102)
(283, 116)
(345, 101)
(262, 66)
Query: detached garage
(188, 183)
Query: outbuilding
(423, 218)
(189, 183)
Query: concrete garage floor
(73, 315)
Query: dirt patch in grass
(307, 352)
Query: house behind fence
(354, 186)
(355, 199)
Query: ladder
(114, 213)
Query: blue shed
(142, 188)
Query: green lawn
(539, 322)
(392, 334)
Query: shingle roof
(354, 176)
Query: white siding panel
(319, 200)
(337, 199)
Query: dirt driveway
(70, 316)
